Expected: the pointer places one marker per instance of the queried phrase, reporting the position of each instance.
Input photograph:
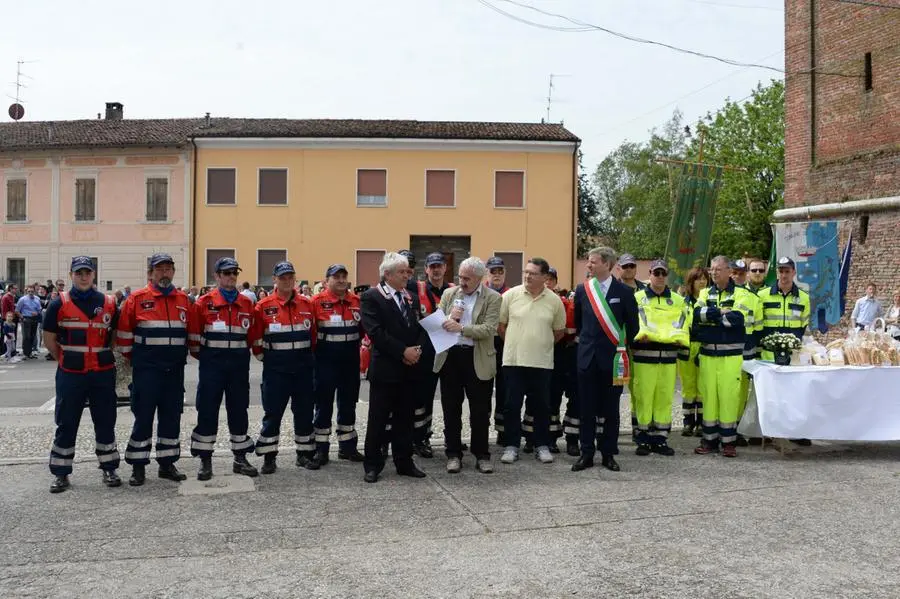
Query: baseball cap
(80, 262)
(552, 272)
(410, 257)
(226, 263)
(283, 268)
(786, 262)
(160, 258)
(657, 264)
(335, 269)
(626, 259)
(494, 262)
(434, 258)
(739, 265)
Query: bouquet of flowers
(780, 343)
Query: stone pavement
(819, 522)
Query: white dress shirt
(396, 299)
(466, 319)
(604, 285)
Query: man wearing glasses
(532, 320)
(219, 336)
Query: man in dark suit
(606, 321)
(398, 362)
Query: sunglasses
(757, 270)
(659, 273)
(228, 273)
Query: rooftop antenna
(550, 95)
(16, 110)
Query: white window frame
(524, 188)
(16, 177)
(386, 183)
(258, 250)
(206, 188)
(287, 185)
(425, 183)
(356, 252)
(86, 174)
(160, 174)
(206, 263)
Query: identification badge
(275, 327)
(336, 318)
(219, 325)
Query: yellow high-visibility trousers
(720, 386)
(654, 388)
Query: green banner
(692, 221)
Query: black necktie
(403, 309)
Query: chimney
(114, 111)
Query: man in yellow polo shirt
(532, 320)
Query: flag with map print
(692, 221)
(813, 246)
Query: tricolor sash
(604, 314)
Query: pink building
(75, 188)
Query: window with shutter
(272, 186)
(371, 187)
(220, 186)
(211, 257)
(16, 192)
(440, 189)
(85, 200)
(265, 264)
(509, 189)
(157, 199)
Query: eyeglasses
(228, 273)
(659, 273)
(628, 266)
(532, 274)
(757, 270)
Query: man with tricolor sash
(664, 329)
(606, 321)
(721, 313)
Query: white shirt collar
(390, 289)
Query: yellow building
(324, 192)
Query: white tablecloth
(849, 403)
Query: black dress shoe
(411, 470)
(352, 455)
(59, 484)
(137, 475)
(662, 449)
(172, 473)
(573, 450)
(111, 479)
(269, 464)
(308, 462)
(371, 477)
(242, 466)
(610, 464)
(205, 472)
(642, 449)
(423, 450)
(583, 464)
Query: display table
(844, 403)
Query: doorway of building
(454, 248)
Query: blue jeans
(533, 383)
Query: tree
(633, 191)
(750, 136)
(588, 210)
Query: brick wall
(842, 142)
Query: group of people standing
(529, 341)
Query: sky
(403, 59)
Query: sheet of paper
(441, 340)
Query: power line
(583, 27)
(866, 3)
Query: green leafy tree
(749, 135)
